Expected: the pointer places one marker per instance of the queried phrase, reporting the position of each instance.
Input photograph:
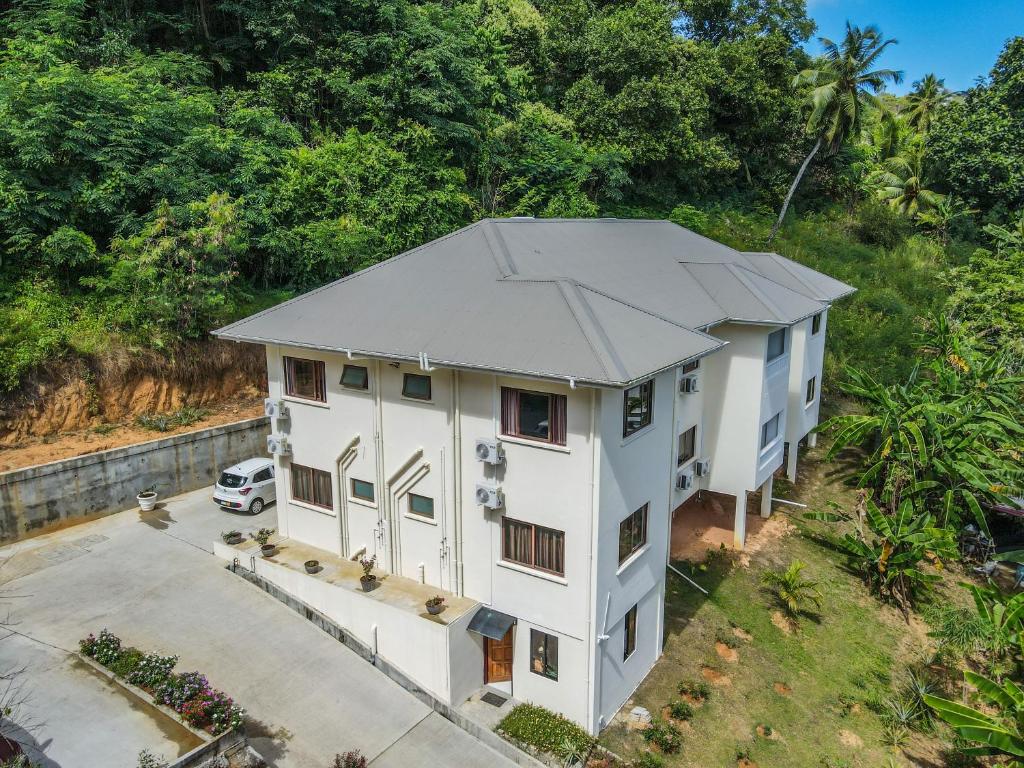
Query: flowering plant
(105, 649)
(152, 671)
(177, 690)
(367, 566)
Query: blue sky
(956, 40)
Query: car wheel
(256, 507)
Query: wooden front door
(498, 659)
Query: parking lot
(150, 578)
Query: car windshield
(229, 480)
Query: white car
(248, 486)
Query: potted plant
(367, 581)
(232, 537)
(435, 605)
(312, 566)
(262, 537)
(147, 499)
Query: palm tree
(793, 591)
(943, 215)
(900, 181)
(924, 100)
(843, 83)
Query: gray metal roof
(601, 301)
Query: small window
(632, 533)
(543, 654)
(262, 476)
(312, 486)
(416, 386)
(687, 446)
(816, 323)
(770, 430)
(812, 388)
(533, 546)
(421, 505)
(691, 366)
(637, 403)
(305, 379)
(355, 377)
(362, 490)
(776, 344)
(629, 634)
(536, 416)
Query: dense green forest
(168, 166)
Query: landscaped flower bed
(547, 732)
(187, 693)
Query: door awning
(491, 623)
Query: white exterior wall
(808, 360)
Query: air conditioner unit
(489, 496)
(489, 451)
(703, 467)
(688, 385)
(276, 409)
(684, 481)
(278, 445)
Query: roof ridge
(787, 265)
(581, 309)
(760, 295)
(499, 248)
(696, 281)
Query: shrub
(353, 759)
(126, 662)
(664, 736)
(105, 649)
(148, 760)
(680, 710)
(650, 760)
(544, 729)
(152, 671)
(690, 217)
(185, 416)
(794, 593)
(177, 690)
(878, 224)
(694, 689)
(212, 710)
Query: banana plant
(1001, 619)
(994, 734)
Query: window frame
(765, 442)
(297, 469)
(629, 632)
(405, 387)
(319, 379)
(811, 391)
(690, 367)
(816, 324)
(413, 513)
(648, 417)
(785, 348)
(634, 523)
(557, 416)
(544, 645)
(534, 530)
(366, 377)
(681, 459)
(372, 499)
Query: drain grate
(493, 699)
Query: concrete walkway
(151, 580)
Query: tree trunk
(792, 189)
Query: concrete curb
(212, 745)
(480, 733)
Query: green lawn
(836, 670)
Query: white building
(619, 366)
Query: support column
(792, 451)
(812, 439)
(766, 496)
(739, 530)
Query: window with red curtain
(305, 379)
(530, 415)
(312, 486)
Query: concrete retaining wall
(36, 499)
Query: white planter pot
(147, 501)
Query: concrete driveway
(151, 579)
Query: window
(533, 546)
(770, 430)
(812, 388)
(305, 379)
(543, 654)
(632, 533)
(312, 486)
(421, 505)
(691, 366)
(687, 446)
(416, 386)
(262, 476)
(536, 416)
(776, 344)
(637, 404)
(355, 377)
(816, 323)
(362, 490)
(629, 633)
